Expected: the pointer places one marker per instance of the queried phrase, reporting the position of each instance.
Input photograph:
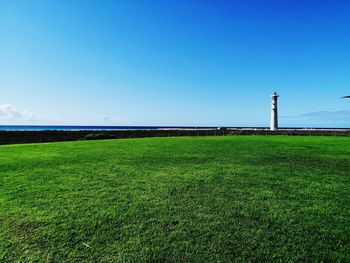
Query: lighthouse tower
(274, 113)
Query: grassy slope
(176, 199)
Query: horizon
(39, 127)
(179, 63)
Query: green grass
(204, 199)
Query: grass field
(189, 199)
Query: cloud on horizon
(340, 115)
(108, 119)
(10, 114)
(327, 116)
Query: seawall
(17, 137)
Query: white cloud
(331, 116)
(11, 115)
(326, 118)
(108, 119)
(340, 115)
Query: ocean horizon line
(145, 127)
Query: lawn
(185, 199)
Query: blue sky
(181, 62)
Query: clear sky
(180, 62)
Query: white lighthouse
(274, 113)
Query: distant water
(79, 128)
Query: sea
(97, 128)
(80, 128)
